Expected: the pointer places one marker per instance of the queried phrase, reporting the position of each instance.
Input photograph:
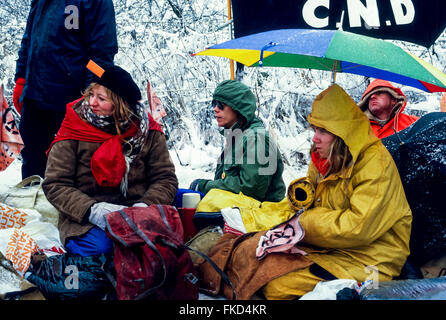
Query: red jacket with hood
(399, 121)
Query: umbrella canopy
(420, 155)
(332, 50)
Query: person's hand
(17, 93)
(99, 211)
(443, 103)
(194, 185)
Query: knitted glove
(17, 93)
(99, 211)
(194, 185)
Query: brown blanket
(236, 256)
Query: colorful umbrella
(332, 50)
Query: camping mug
(191, 200)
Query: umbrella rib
(353, 67)
(318, 61)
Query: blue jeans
(94, 242)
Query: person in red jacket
(383, 104)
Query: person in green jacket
(251, 162)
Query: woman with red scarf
(108, 154)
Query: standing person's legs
(37, 127)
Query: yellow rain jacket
(362, 215)
(256, 215)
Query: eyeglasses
(217, 103)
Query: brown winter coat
(70, 186)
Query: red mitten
(17, 93)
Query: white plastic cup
(191, 200)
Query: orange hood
(383, 85)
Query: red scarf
(108, 163)
(320, 164)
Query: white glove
(140, 204)
(99, 211)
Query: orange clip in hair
(95, 68)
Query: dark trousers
(38, 127)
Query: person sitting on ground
(384, 104)
(360, 220)
(251, 162)
(109, 154)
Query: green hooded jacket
(251, 162)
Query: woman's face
(99, 101)
(381, 104)
(322, 140)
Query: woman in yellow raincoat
(360, 218)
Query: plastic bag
(22, 234)
(412, 289)
(28, 194)
(11, 217)
(233, 221)
(17, 247)
(13, 286)
(46, 237)
(327, 290)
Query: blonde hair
(121, 110)
(339, 157)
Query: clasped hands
(100, 210)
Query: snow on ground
(11, 176)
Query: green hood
(238, 96)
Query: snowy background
(156, 39)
